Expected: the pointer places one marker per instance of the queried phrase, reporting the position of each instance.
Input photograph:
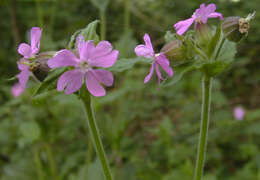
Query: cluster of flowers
(89, 57)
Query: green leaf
(215, 67)
(179, 71)
(41, 98)
(100, 4)
(224, 60)
(50, 82)
(125, 64)
(89, 33)
(227, 52)
(30, 131)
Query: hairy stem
(205, 113)
(85, 96)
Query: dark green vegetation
(149, 134)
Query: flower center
(84, 66)
(198, 20)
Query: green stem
(220, 47)
(39, 13)
(38, 163)
(51, 160)
(89, 152)
(127, 16)
(85, 96)
(103, 24)
(206, 92)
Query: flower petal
(22, 66)
(23, 77)
(17, 90)
(93, 85)
(159, 75)
(80, 42)
(103, 48)
(142, 50)
(148, 42)
(36, 33)
(164, 63)
(105, 61)
(71, 81)
(62, 59)
(25, 50)
(86, 50)
(211, 8)
(182, 26)
(216, 15)
(104, 76)
(149, 76)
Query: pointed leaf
(50, 82)
(89, 32)
(179, 71)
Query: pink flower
(201, 15)
(28, 51)
(90, 56)
(23, 76)
(239, 113)
(17, 90)
(159, 60)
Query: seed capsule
(235, 27)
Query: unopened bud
(203, 34)
(173, 50)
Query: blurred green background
(149, 134)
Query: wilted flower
(28, 52)
(235, 27)
(201, 15)
(17, 90)
(40, 69)
(90, 56)
(239, 113)
(159, 59)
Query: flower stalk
(205, 115)
(85, 97)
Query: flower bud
(173, 50)
(203, 34)
(235, 27)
